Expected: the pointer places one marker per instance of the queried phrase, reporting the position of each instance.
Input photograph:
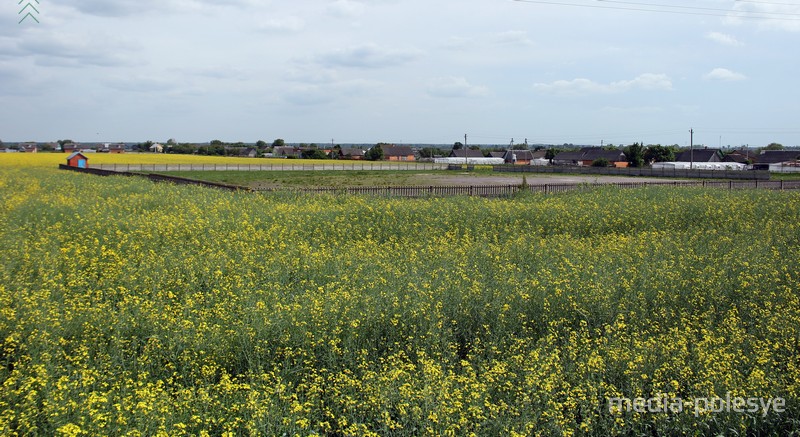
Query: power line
(767, 3)
(697, 8)
(731, 13)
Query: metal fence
(510, 190)
(460, 190)
(643, 171)
(295, 165)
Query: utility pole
(466, 163)
(691, 149)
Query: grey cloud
(139, 84)
(455, 87)
(123, 8)
(76, 50)
(321, 94)
(368, 56)
(19, 81)
(117, 8)
(308, 95)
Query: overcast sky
(402, 71)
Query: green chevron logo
(29, 9)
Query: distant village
(773, 157)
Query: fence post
(781, 184)
(730, 185)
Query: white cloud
(345, 8)
(369, 56)
(455, 87)
(723, 38)
(633, 110)
(724, 74)
(316, 94)
(284, 25)
(513, 37)
(580, 86)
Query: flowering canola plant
(130, 308)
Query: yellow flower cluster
(129, 308)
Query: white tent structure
(680, 165)
(470, 161)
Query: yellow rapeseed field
(130, 308)
(51, 160)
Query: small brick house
(398, 153)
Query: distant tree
(474, 147)
(62, 142)
(46, 147)
(212, 150)
(551, 153)
(429, 152)
(600, 162)
(774, 146)
(635, 155)
(313, 153)
(375, 153)
(278, 143)
(261, 144)
(458, 145)
(658, 153)
(184, 148)
(172, 142)
(216, 143)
